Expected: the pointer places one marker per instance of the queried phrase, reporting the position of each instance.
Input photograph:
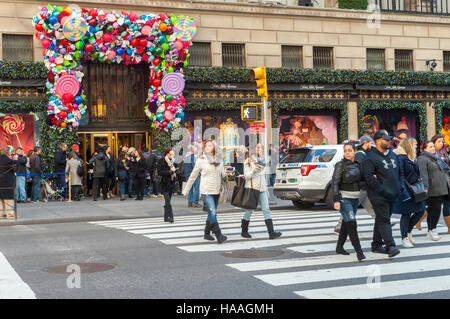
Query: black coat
(60, 161)
(101, 165)
(121, 171)
(138, 168)
(167, 183)
(7, 177)
(35, 164)
(152, 161)
(347, 177)
(385, 185)
(21, 165)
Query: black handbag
(243, 197)
(417, 190)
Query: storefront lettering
(394, 87)
(225, 86)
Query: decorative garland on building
(439, 110)
(71, 33)
(420, 108)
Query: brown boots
(418, 225)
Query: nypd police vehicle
(304, 175)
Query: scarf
(215, 160)
(440, 163)
(172, 168)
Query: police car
(304, 175)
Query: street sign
(257, 128)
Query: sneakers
(410, 237)
(433, 235)
(407, 243)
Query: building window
(200, 54)
(404, 60)
(17, 47)
(322, 58)
(446, 61)
(375, 59)
(291, 56)
(233, 55)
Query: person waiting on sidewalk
(60, 166)
(364, 147)
(111, 175)
(345, 184)
(189, 163)
(75, 180)
(167, 171)
(36, 171)
(434, 173)
(210, 168)
(7, 176)
(255, 177)
(410, 211)
(152, 162)
(138, 171)
(382, 175)
(101, 167)
(21, 191)
(122, 168)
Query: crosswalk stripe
(305, 224)
(185, 219)
(351, 272)
(337, 259)
(11, 285)
(308, 249)
(385, 289)
(262, 233)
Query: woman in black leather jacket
(345, 185)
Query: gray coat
(434, 179)
(72, 166)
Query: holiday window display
(17, 131)
(399, 123)
(298, 130)
(70, 33)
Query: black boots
(216, 230)
(272, 234)
(207, 235)
(168, 214)
(244, 226)
(354, 239)
(343, 232)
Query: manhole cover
(84, 268)
(253, 253)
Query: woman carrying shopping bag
(408, 206)
(210, 168)
(255, 178)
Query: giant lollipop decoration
(13, 124)
(67, 84)
(173, 83)
(74, 28)
(185, 29)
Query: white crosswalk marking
(309, 234)
(11, 285)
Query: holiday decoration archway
(70, 34)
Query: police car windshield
(309, 155)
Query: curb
(110, 217)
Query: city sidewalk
(113, 208)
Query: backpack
(80, 170)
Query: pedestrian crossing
(315, 271)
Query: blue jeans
(446, 209)
(211, 202)
(264, 202)
(36, 188)
(20, 188)
(123, 187)
(349, 206)
(408, 221)
(194, 193)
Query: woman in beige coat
(211, 171)
(75, 179)
(255, 177)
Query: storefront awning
(22, 83)
(403, 88)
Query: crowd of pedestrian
(396, 182)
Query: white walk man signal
(251, 113)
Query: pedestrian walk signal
(252, 112)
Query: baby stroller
(51, 194)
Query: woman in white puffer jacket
(211, 171)
(255, 177)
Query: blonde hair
(408, 145)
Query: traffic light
(252, 112)
(259, 75)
